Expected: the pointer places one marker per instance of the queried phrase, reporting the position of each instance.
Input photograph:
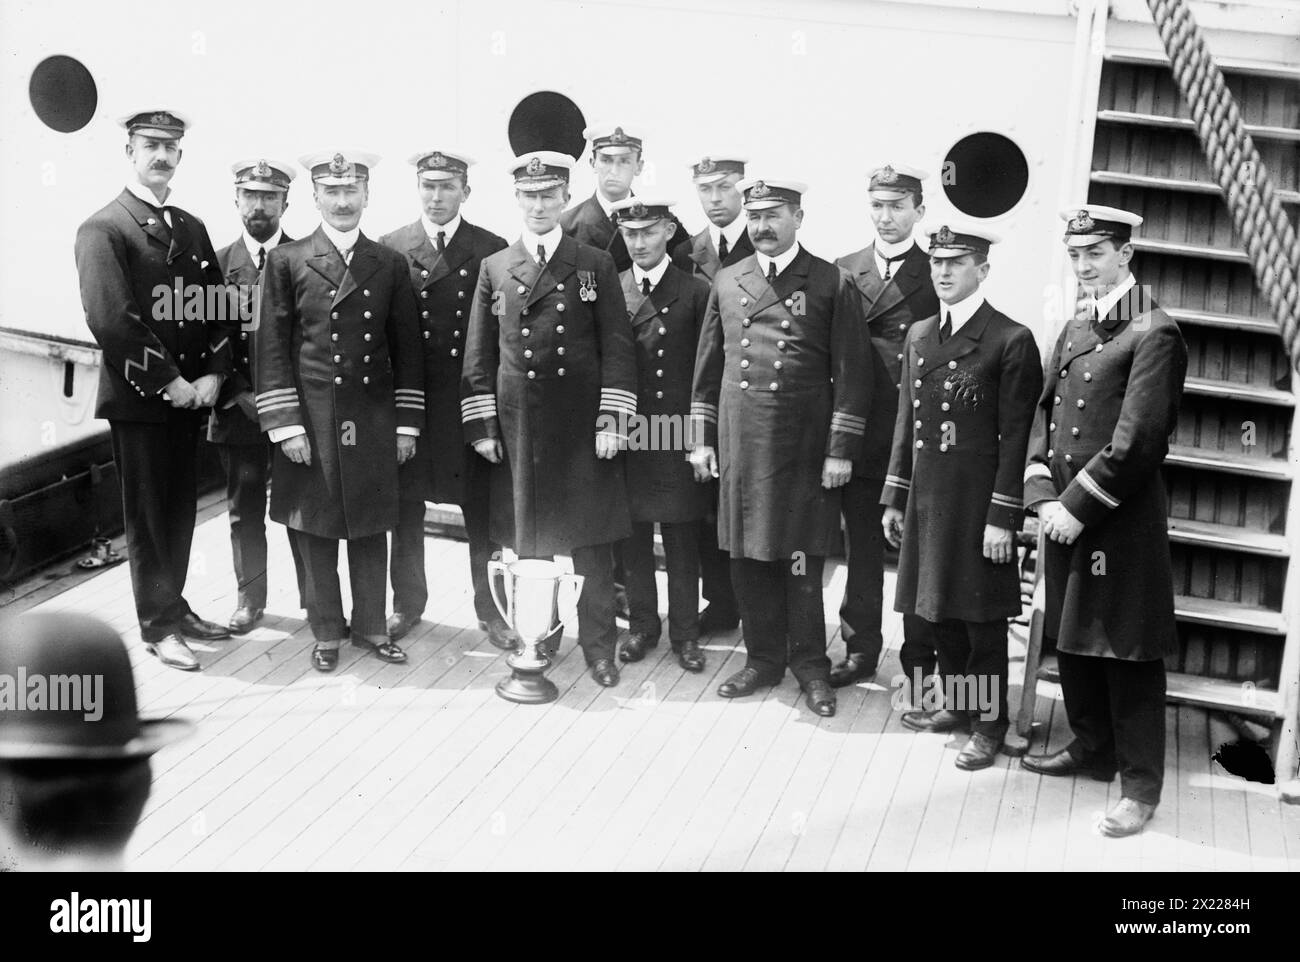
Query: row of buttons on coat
(334, 316)
(780, 346)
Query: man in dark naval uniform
(444, 252)
(549, 380)
(261, 197)
(340, 391)
(780, 399)
(724, 242)
(665, 306)
(617, 160)
(893, 276)
(1114, 382)
(953, 491)
(148, 275)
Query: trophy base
(527, 688)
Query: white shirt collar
(607, 205)
(963, 310)
(142, 192)
(449, 229)
(343, 240)
(656, 273)
(885, 249)
(731, 232)
(253, 244)
(1104, 304)
(782, 261)
(550, 242)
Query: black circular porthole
(985, 174)
(547, 120)
(63, 93)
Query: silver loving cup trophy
(532, 609)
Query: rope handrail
(1257, 213)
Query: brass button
(780, 345)
(528, 354)
(1087, 375)
(426, 335)
(947, 385)
(659, 353)
(464, 273)
(559, 307)
(559, 328)
(900, 357)
(744, 385)
(663, 330)
(744, 364)
(663, 310)
(334, 337)
(916, 402)
(560, 351)
(366, 315)
(1100, 346)
(455, 334)
(744, 322)
(1069, 459)
(364, 337)
(523, 290)
(943, 447)
(366, 359)
(334, 316)
(455, 352)
(916, 383)
(1057, 399)
(902, 327)
(1074, 432)
(1052, 426)
(182, 357)
(338, 380)
(744, 342)
(920, 362)
(460, 295)
(789, 302)
(744, 301)
(1081, 403)
(531, 375)
(365, 293)
(1065, 372)
(524, 312)
(952, 365)
(365, 380)
(559, 287)
(659, 373)
(777, 365)
(338, 358)
(424, 314)
(785, 325)
(920, 444)
(460, 313)
(917, 425)
(1050, 452)
(945, 405)
(659, 395)
(243, 335)
(524, 332)
(773, 386)
(560, 371)
(332, 293)
(424, 294)
(424, 273)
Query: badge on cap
(535, 166)
(263, 169)
(705, 165)
(338, 165)
(618, 137)
(759, 189)
(943, 237)
(637, 210)
(1083, 223)
(437, 160)
(887, 175)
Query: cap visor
(261, 185)
(620, 149)
(712, 177)
(944, 253)
(888, 193)
(534, 186)
(330, 180)
(764, 204)
(638, 224)
(439, 174)
(154, 734)
(157, 133)
(1087, 240)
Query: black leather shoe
(980, 751)
(742, 683)
(244, 620)
(636, 646)
(172, 651)
(715, 619)
(192, 626)
(938, 722)
(385, 650)
(324, 659)
(820, 698)
(500, 634)
(853, 669)
(605, 672)
(621, 609)
(1063, 763)
(400, 625)
(690, 655)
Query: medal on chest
(587, 286)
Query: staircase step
(1231, 390)
(1229, 614)
(1209, 534)
(1184, 689)
(1256, 131)
(1123, 179)
(1154, 245)
(1232, 322)
(1274, 469)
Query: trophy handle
(575, 584)
(495, 568)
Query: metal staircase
(1231, 472)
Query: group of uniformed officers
(444, 364)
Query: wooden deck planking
(421, 765)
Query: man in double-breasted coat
(893, 276)
(261, 197)
(444, 252)
(549, 381)
(1110, 402)
(780, 400)
(616, 160)
(340, 390)
(953, 490)
(724, 242)
(665, 306)
(149, 285)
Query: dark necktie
(889, 266)
(261, 258)
(541, 256)
(645, 286)
(442, 241)
(945, 332)
(723, 247)
(771, 272)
